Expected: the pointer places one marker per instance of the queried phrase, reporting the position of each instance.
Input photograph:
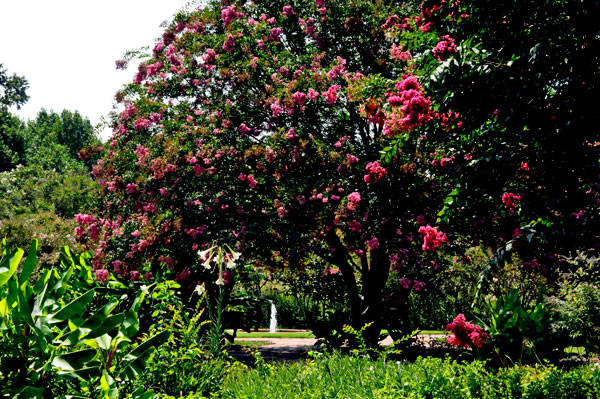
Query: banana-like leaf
(131, 324)
(9, 264)
(74, 308)
(41, 288)
(98, 318)
(138, 358)
(29, 392)
(136, 367)
(107, 326)
(140, 393)
(29, 264)
(107, 387)
(74, 361)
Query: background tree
(13, 92)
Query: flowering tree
(312, 127)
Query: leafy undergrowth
(355, 377)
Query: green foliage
(13, 89)
(60, 336)
(53, 141)
(358, 377)
(12, 142)
(32, 189)
(517, 334)
(578, 303)
(182, 365)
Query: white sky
(67, 49)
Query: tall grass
(357, 377)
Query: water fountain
(273, 320)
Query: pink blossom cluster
(373, 243)
(228, 14)
(288, 11)
(445, 48)
(397, 54)
(466, 334)
(433, 239)
(451, 119)
(353, 200)
(394, 22)
(511, 200)
(275, 34)
(229, 43)
(331, 94)
(248, 179)
(210, 56)
(142, 153)
(411, 108)
(375, 172)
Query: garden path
(293, 349)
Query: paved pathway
(295, 348)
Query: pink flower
(288, 11)
(300, 98)
(291, 135)
(274, 34)
(375, 172)
(312, 94)
(331, 94)
(433, 239)
(511, 200)
(228, 14)
(251, 181)
(142, 153)
(418, 286)
(351, 158)
(445, 48)
(397, 54)
(373, 243)
(524, 166)
(131, 188)
(243, 129)
(209, 57)
(276, 108)
(281, 212)
(229, 43)
(101, 275)
(354, 197)
(465, 334)
(404, 282)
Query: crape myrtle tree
(354, 131)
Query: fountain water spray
(273, 321)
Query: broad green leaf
(74, 308)
(103, 341)
(140, 393)
(137, 365)
(131, 324)
(98, 318)
(74, 361)
(154, 341)
(107, 326)
(107, 387)
(29, 264)
(29, 392)
(9, 264)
